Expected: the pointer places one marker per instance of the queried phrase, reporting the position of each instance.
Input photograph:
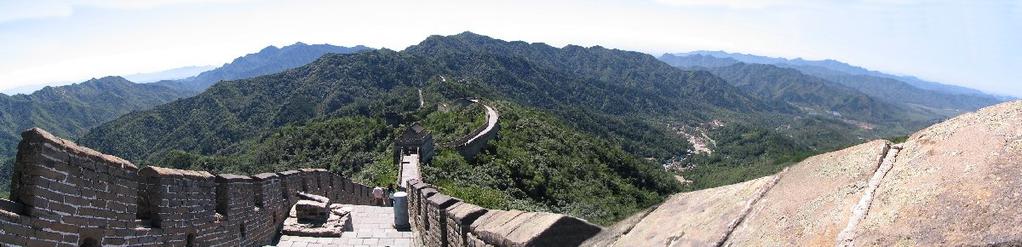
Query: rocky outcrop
(953, 184)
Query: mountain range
(267, 61)
(586, 131)
(949, 100)
(570, 115)
(72, 110)
(170, 74)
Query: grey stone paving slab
(370, 226)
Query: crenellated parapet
(66, 195)
(443, 221)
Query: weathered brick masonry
(443, 221)
(66, 195)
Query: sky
(972, 43)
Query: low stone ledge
(488, 227)
(313, 197)
(465, 213)
(417, 185)
(288, 173)
(460, 216)
(442, 201)
(428, 192)
(232, 178)
(155, 171)
(265, 176)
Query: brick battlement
(67, 195)
(443, 221)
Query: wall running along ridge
(442, 221)
(471, 144)
(66, 195)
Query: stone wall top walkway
(370, 226)
(491, 123)
(409, 169)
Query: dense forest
(540, 163)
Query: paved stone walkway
(370, 226)
(409, 169)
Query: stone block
(488, 226)
(547, 229)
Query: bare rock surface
(955, 183)
(697, 218)
(812, 202)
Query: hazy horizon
(970, 44)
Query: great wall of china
(955, 183)
(67, 195)
(474, 142)
(441, 220)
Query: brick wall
(64, 194)
(443, 221)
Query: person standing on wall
(390, 194)
(377, 196)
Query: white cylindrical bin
(401, 210)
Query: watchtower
(415, 140)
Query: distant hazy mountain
(945, 100)
(269, 60)
(818, 96)
(697, 61)
(170, 74)
(841, 67)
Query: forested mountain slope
(814, 95)
(69, 111)
(603, 116)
